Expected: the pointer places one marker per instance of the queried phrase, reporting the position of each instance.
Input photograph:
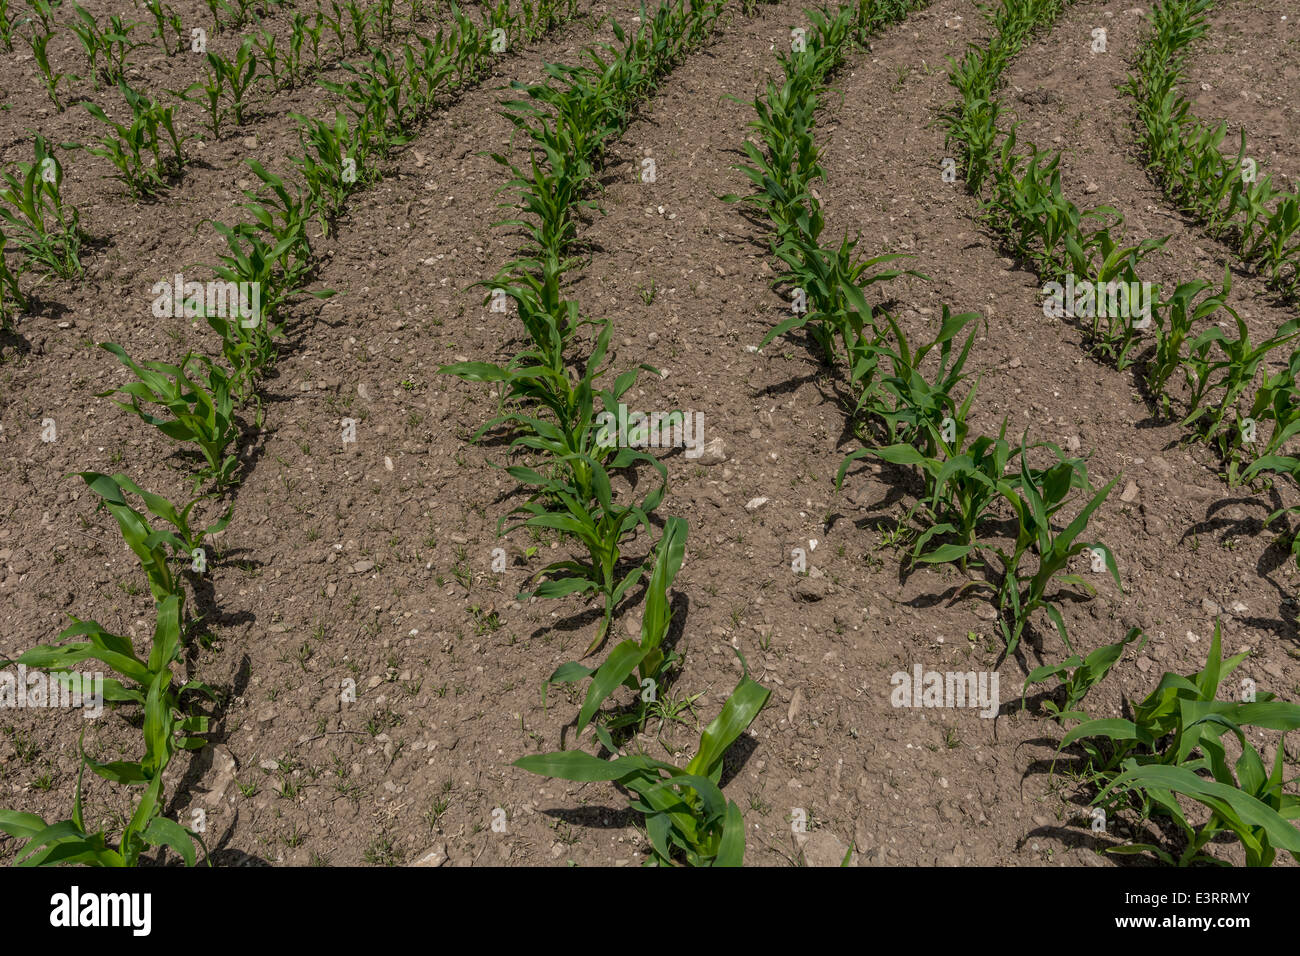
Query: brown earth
(372, 561)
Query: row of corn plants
(147, 152)
(583, 484)
(196, 401)
(198, 409)
(1172, 745)
(907, 413)
(1221, 189)
(107, 46)
(1261, 222)
(160, 536)
(1190, 358)
(268, 262)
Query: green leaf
(737, 714)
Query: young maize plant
(359, 21)
(107, 50)
(312, 33)
(226, 79)
(270, 56)
(249, 347)
(383, 116)
(332, 164)
(165, 16)
(1277, 401)
(334, 20)
(167, 726)
(196, 395)
(918, 420)
(1172, 746)
(1278, 244)
(44, 11)
(687, 817)
(962, 489)
(1219, 383)
(187, 539)
(1176, 319)
(647, 657)
(1114, 333)
(150, 545)
(577, 496)
(273, 256)
(912, 409)
(36, 220)
(1271, 463)
(1080, 675)
(235, 13)
(1035, 499)
(39, 43)
(136, 150)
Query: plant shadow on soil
(200, 766)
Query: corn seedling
(647, 656)
(51, 77)
(579, 500)
(334, 20)
(1228, 376)
(167, 726)
(196, 395)
(1175, 320)
(136, 150)
(112, 489)
(107, 50)
(164, 16)
(374, 96)
(332, 163)
(227, 79)
(687, 816)
(1275, 465)
(962, 489)
(270, 57)
(44, 11)
(924, 414)
(1173, 746)
(235, 14)
(37, 222)
(1079, 675)
(1278, 402)
(151, 546)
(1035, 499)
